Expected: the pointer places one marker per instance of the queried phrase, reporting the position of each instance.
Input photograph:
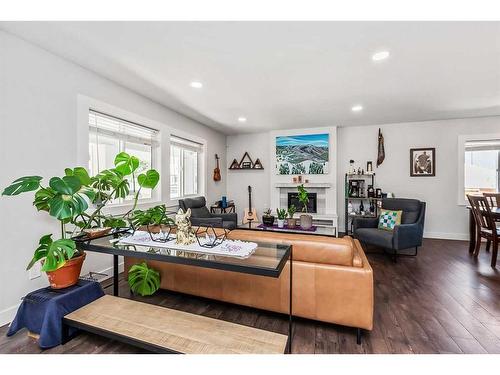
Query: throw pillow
(388, 219)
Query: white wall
(444, 219)
(38, 135)
(238, 181)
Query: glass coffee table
(267, 260)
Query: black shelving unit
(348, 218)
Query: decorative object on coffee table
(268, 218)
(423, 162)
(67, 199)
(305, 218)
(210, 236)
(281, 212)
(291, 221)
(185, 234)
(155, 221)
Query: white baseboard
(8, 314)
(447, 236)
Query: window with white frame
(185, 157)
(481, 166)
(109, 135)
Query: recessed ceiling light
(381, 55)
(357, 108)
(242, 119)
(196, 84)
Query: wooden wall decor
(246, 162)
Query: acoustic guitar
(250, 213)
(217, 169)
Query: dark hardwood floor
(442, 301)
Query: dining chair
(493, 199)
(485, 226)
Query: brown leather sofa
(332, 280)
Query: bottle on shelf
(372, 207)
(361, 208)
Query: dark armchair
(405, 236)
(201, 216)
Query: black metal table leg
(290, 323)
(115, 275)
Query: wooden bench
(164, 330)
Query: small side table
(223, 210)
(41, 311)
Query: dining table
(495, 211)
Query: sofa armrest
(206, 221)
(365, 222)
(407, 235)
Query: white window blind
(110, 135)
(111, 126)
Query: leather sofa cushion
(306, 247)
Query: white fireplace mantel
(324, 185)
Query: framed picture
(302, 154)
(423, 162)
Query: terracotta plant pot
(306, 221)
(68, 274)
(291, 222)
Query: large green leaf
(67, 185)
(55, 253)
(22, 185)
(149, 179)
(122, 189)
(42, 198)
(125, 163)
(143, 280)
(64, 206)
(81, 173)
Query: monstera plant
(77, 200)
(143, 280)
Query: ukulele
(217, 169)
(250, 213)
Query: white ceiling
(290, 74)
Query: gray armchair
(201, 216)
(407, 235)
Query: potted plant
(281, 212)
(153, 219)
(291, 221)
(67, 199)
(268, 218)
(305, 218)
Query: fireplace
(312, 205)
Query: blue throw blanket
(42, 310)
